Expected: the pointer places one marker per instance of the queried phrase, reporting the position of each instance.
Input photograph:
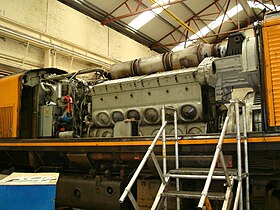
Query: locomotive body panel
(271, 45)
(10, 92)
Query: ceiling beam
(188, 8)
(221, 8)
(248, 10)
(123, 3)
(160, 18)
(264, 4)
(178, 20)
(136, 12)
(176, 28)
(220, 27)
(212, 35)
(98, 14)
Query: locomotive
(95, 131)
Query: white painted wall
(53, 22)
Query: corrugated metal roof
(163, 31)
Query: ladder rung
(193, 194)
(191, 176)
(190, 157)
(201, 171)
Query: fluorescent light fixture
(147, 16)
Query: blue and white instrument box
(28, 191)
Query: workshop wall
(47, 33)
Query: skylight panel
(141, 20)
(262, 6)
(211, 26)
(181, 46)
(147, 16)
(232, 12)
(214, 24)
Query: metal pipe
(163, 141)
(82, 71)
(59, 90)
(238, 194)
(222, 160)
(176, 156)
(66, 134)
(188, 57)
(246, 157)
(46, 90)
(213, 165)
(133, 201)
(239, 160)
(162, 178)
(142, 163)
(164, 164)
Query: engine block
(141, 99)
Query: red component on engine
(69, 101)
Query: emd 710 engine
(138, 100)
(55, 104)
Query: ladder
(150, 152)
(230, 176)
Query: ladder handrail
(213, 165)
(176, 157)
(218, 153)
(141, 165)
(239, 157)
(246, 161)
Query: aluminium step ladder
(230, 176)
(150, 153)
